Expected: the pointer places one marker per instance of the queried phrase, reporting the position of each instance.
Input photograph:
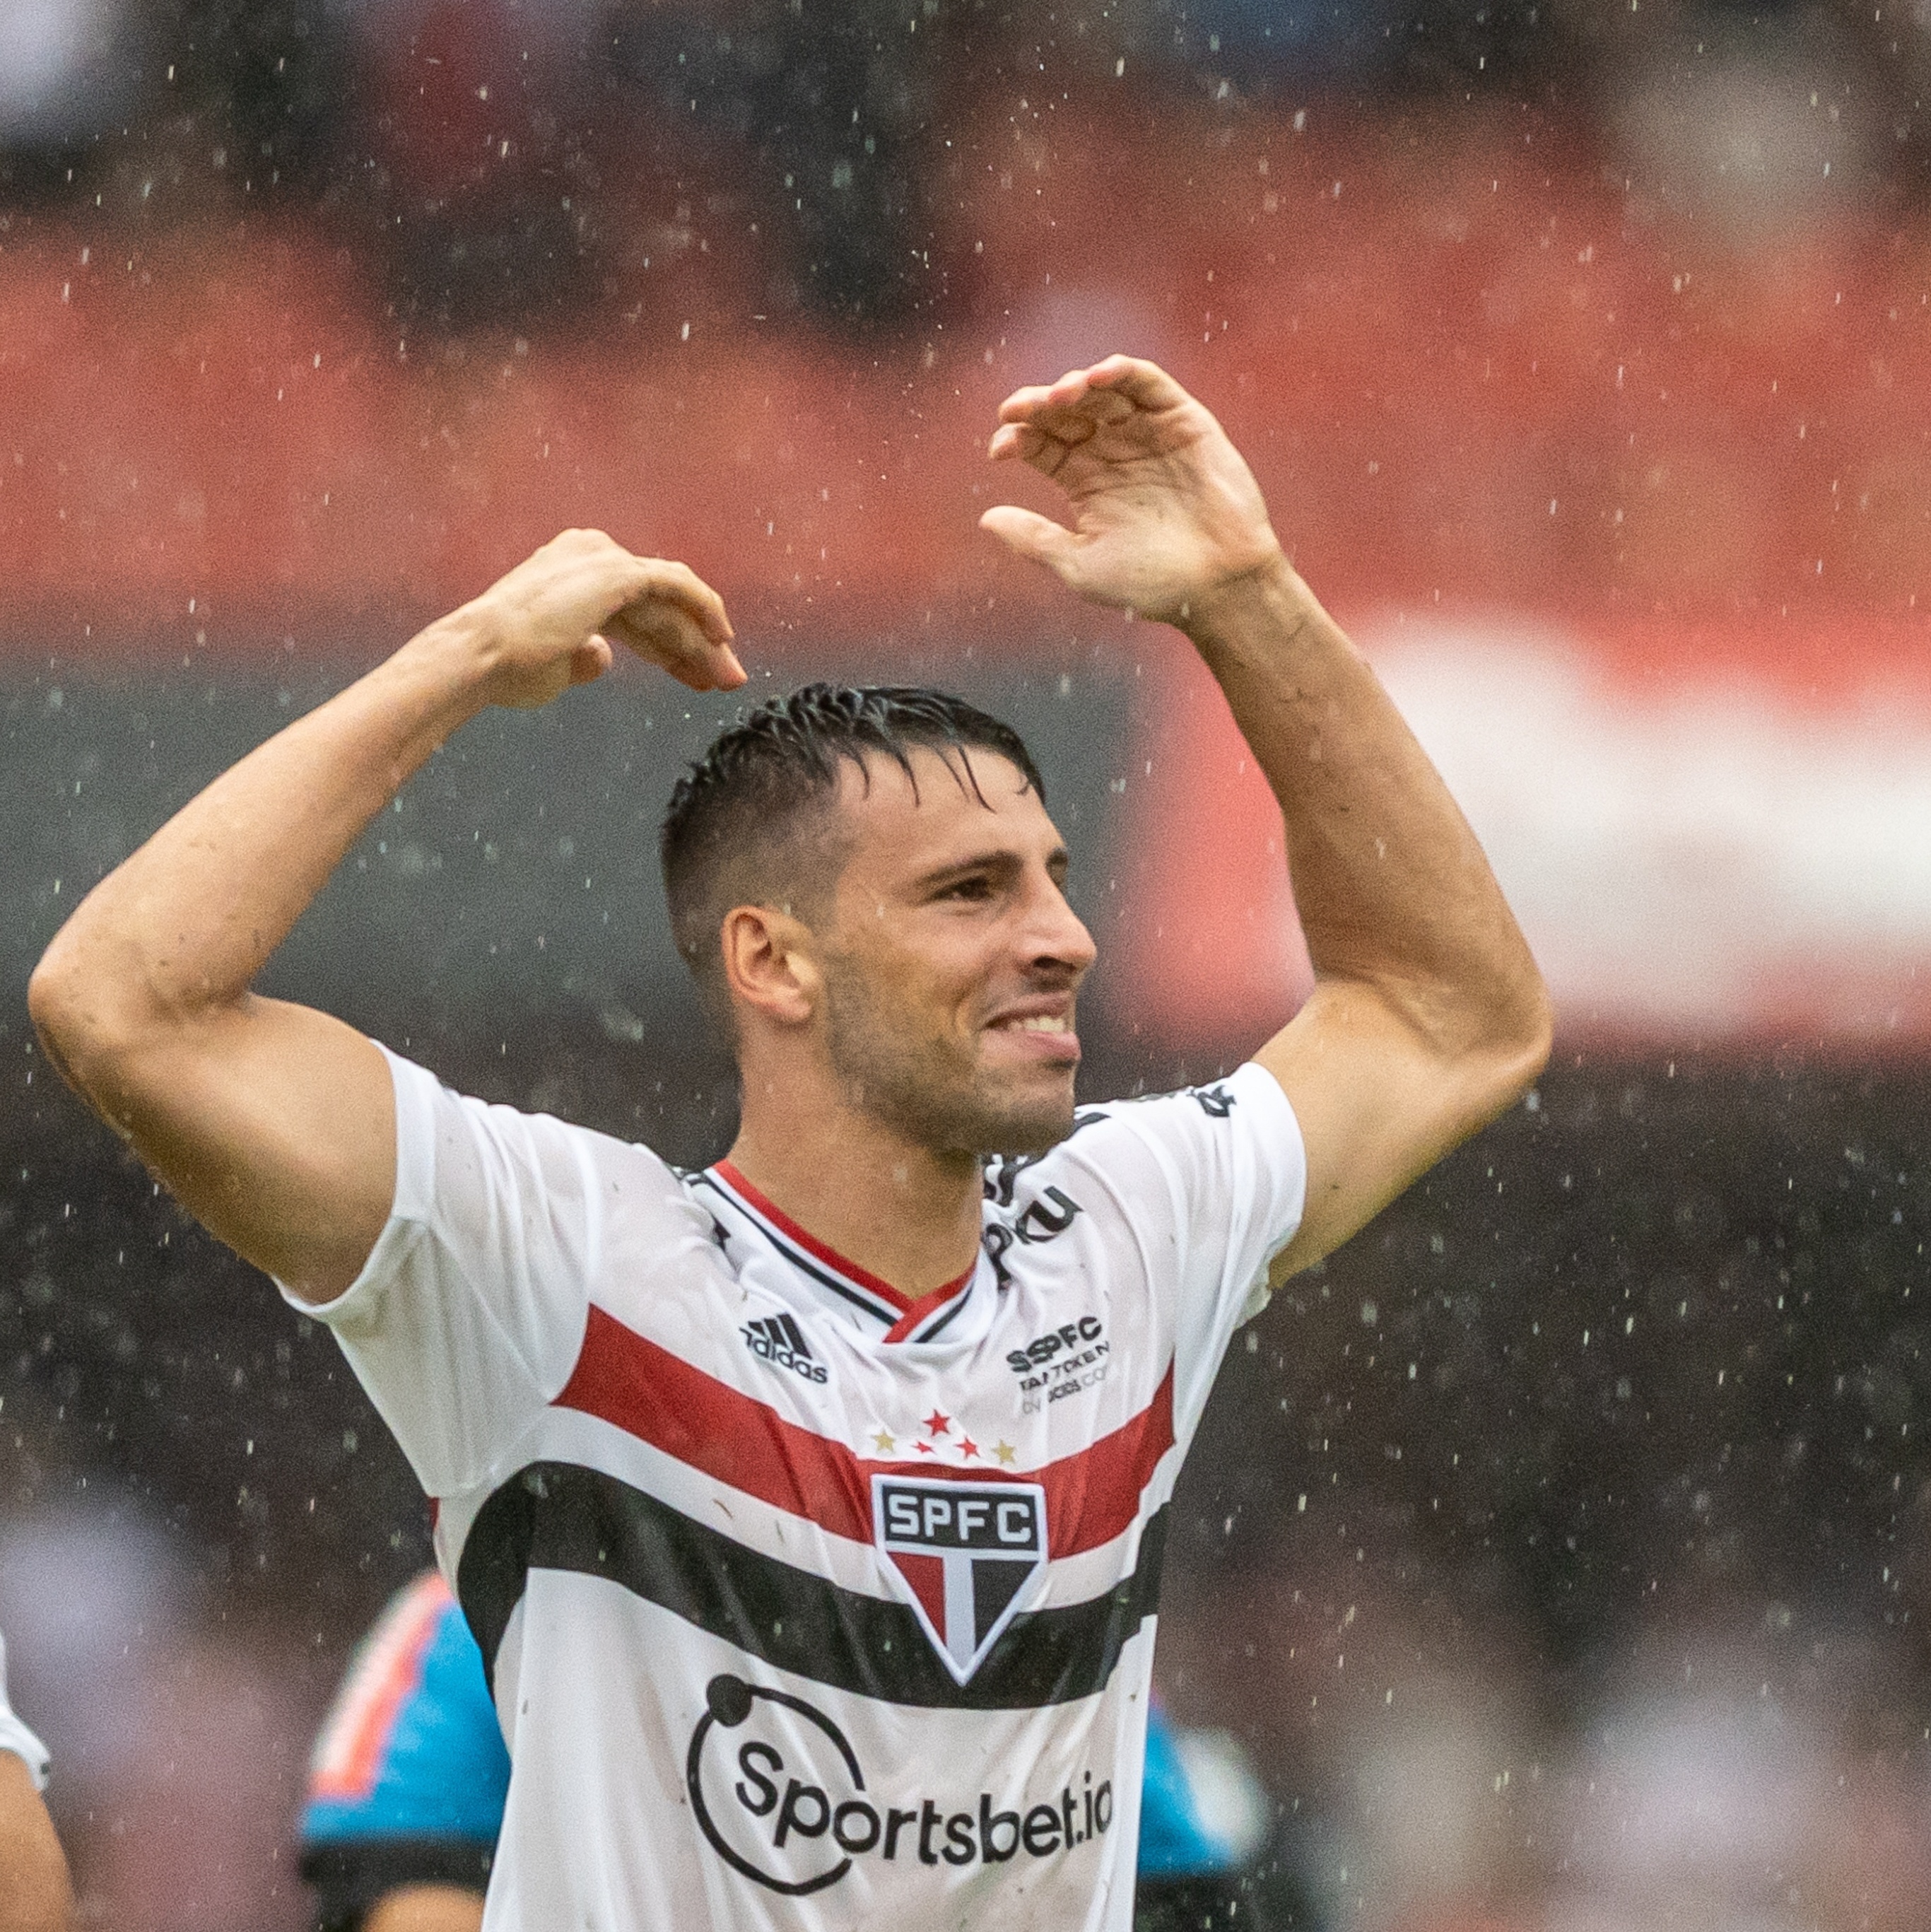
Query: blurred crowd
(557, 163)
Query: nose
(1055, 936)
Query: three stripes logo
(778, 1339)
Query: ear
(771, 964)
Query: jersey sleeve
(1210, 1182)
(16, 1737)
(468, 1315)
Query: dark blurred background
(1561, 1549)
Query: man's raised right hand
(274, 1125)
(553, 621)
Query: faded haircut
(748, 823)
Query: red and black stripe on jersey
(555, 1515)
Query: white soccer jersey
(807, 1606)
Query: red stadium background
(1582, 481)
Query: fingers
(1023, 443)
(680, 584)
(1028, 535)
(707, 663)
(1044, 424)
(589, 563)
(1129, 379)
(666, 633)
(672, 616)
(1145, 384)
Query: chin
(1031, 1136)
(1027, 1127)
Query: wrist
(1262, 608)
(448, 666)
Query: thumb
(1031, 534)
(589, 660)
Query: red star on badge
(936, 1424)
(923, 1448)
(967, 1447)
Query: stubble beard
(923, 1088)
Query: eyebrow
(1000, 859)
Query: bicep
(1378, 1105)
(274, 1126)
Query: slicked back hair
(747, 824)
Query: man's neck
(898, 1209)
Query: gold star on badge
(884, 1442)
(1004, 1451)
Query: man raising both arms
(803, 1604)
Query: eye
(975, 888)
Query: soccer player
(809, 1509)
(35, 1894)
(406, 1785)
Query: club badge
(965, 1554)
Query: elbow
(54, 1002)
(79, 1023)
(57, 1004)
(1538, 1037)
(1519, 1037)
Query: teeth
(1043, 1023)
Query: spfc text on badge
(967, 1554)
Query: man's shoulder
(431, 1110)
(1105, 1131)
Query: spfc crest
(967, 1554)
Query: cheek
(941, 976)
(894, 995)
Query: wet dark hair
(746, 824)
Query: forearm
(186, 923)
(1391, 885)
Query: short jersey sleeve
(467, 1317)
(1208, 1184)
(16, 1737)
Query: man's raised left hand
(1166, 513)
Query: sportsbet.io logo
(780, 1796)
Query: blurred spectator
(34, 1894)
(408, 1779)
(1753, 122)
(179, 1744)
(545, 163)
(472, 144)
(269, 75)
(834, 107)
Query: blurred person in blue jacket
(35, 1895)
(407, 1786)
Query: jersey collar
(880, 1308)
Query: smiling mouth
(1040, 1023)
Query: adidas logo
(778, 1339)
